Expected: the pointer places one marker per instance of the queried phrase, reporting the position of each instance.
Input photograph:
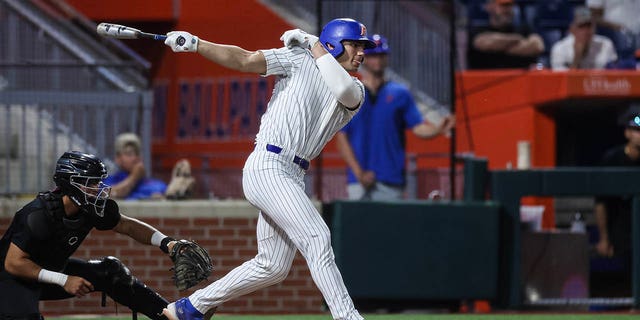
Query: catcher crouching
(35, 250)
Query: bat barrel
(117, 31)
(123, 32)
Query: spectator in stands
(182, 182)
(502, 44)
(373, 142)
(582, 49)
(131, 182)
(613, 214)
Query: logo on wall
(606, 85)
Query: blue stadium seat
(549, 36)
(551, 20)
(477, 16)
(623, 43)
(552, 14)
(529, 13)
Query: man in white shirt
(582, 49)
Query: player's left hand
(182, 41)
(297, 37)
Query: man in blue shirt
(130, 182)
(373, 143)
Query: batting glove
(182, 41)
(297, 37)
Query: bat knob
(181, 41)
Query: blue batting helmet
(338, 30)
(382, 47)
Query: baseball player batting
(313, 98)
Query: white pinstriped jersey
(303, 115)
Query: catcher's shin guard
(127, 290)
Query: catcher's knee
(114, 272)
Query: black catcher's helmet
(79, 176)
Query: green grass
(593, 316)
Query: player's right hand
(77, 286)
(182, 41)
(297, 37)
(604, 248)
(368, 179)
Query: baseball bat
(123, 32)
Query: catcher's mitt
(191, 264)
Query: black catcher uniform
(42, 230)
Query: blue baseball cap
(382, 46)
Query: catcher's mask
(338, 30)
(79, 176)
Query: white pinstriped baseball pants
(288, 221)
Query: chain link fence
(61, 89)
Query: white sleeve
(344, 87)
(277, 60)
(610, 51)
(557, 58)
(594, 4)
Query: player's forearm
(530, 47)
(426, 130)
(18, 264)
(600, 212)
(229, 56)
(344, 147)
(495, 41)
(340, 83)
(135, 229)
(124, 188)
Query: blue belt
(304, 164)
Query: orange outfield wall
(505, 107)
(123, 10)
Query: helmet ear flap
(335, 49)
